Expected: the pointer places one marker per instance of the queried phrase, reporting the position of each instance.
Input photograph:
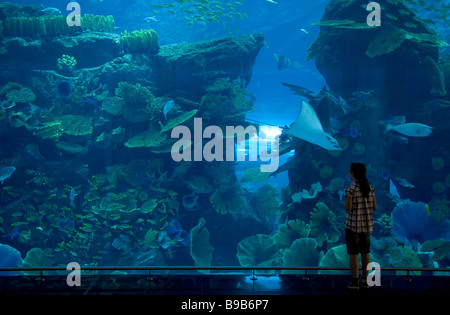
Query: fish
(32, 150)
(72, 196)
(309, 128)
(304, 31)
(271, 1)
(283, 63)
(51, 11)
(151, 19)
(410, 129)
(168, 107)
(6, 172)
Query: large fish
(309, 128)
(6, 172)
(411, 129)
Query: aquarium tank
(220, 133)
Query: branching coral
(324, 226)
(258, 250)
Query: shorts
(357, 243)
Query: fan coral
(258, 250)
(303, 252)
(324, 226)
(9, 257)
(200, 248)
(386, 252)
(294, 229)
(335, 257)
(36, 257)
(412, 222)
(230, 200)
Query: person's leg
(354, 266)
(365, 260)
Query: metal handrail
(193, 268)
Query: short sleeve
(349, 192)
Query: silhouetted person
(360, 203)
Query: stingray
(309, 128)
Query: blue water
(104, 203)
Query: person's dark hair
(359, 172)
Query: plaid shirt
(360, 218)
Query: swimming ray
(308, 127)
